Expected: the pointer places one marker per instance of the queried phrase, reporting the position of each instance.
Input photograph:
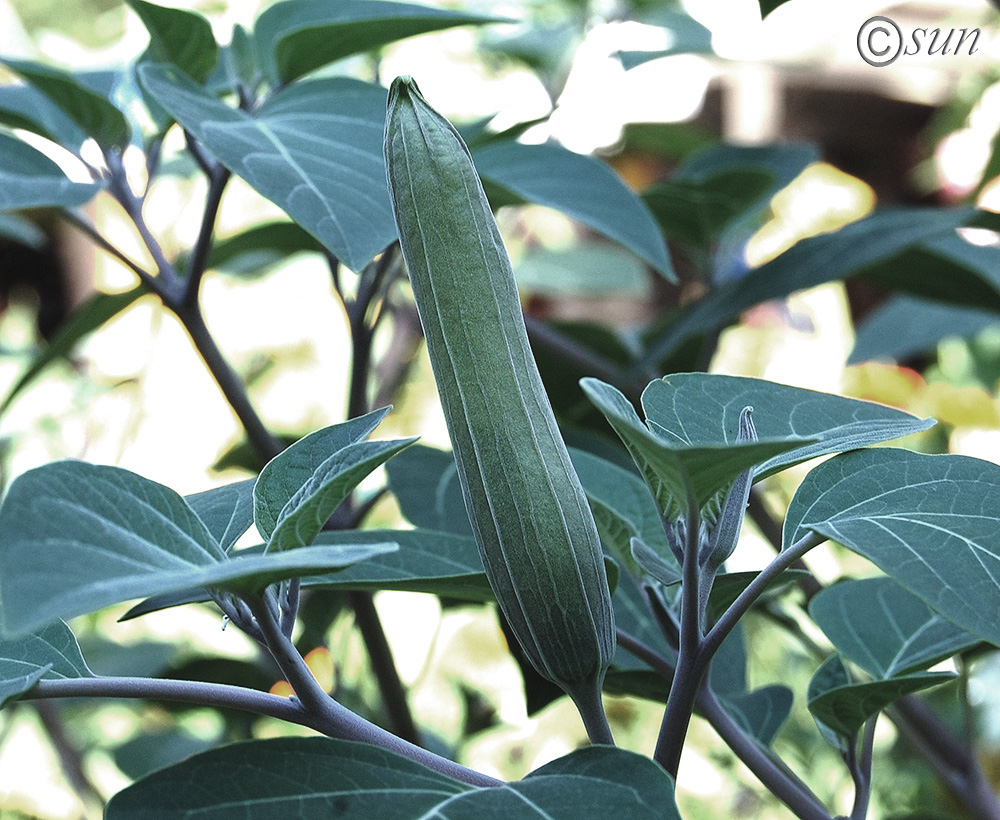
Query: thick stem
(783, 783)
(595, 720)
(692, 661)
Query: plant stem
(783, 783)
(218, 178)
(383, 666)
(330, 717)
(692, 660)
(231, 385)
(217, 695)
(861, 771)
(756, 588)
(779, 781)
(595, 720)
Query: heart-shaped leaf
(316, 777)
(700, 408)
(178, 36)
(314, 149)
(77, 537)
(884, 629)
(932, 523)
(679, 472)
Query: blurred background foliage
(644, 84)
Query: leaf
(699, 212)
(623, 508)
(884, 629)
(320, 777)
(581, 187)
(762, 712)
(285, 474)
(307, 512)
(29, 179)
(301, 777)
(23, 231)
(88, 109)
(727, 587)
(591, 270)
(180, 37)
(681, 472)
(705, 408)
(425, 482)
(633, 616)
(147, 752)
(260, 247)
(767, 6)
(314, 149)
(439, 563)
(812, 261)
(92, 314)
(52, 652)
(24, 106)
(686, 36)
(227, 511)
(845, 707)
(299, 36)
(77, 537)
(929, 522)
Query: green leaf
(727, 587)
(314, 149)
(907, 326)
(299, 36)
(591, 270)
(88, 109)
(261, 247)
(227, 511)
(29, 179)
(622, 505)
(762, 712)
(767, 6)
(884, 629)
(51, 653)
(307, 512)
(705, 408)
(92, 314)
(77, 537)
(680, 472)
(929, 522)
(150, 751)
(319, 777)
(699, 212)
(180, 37)
(686, 36)
(844, 707)
(287, 473)
(811, 262)
(632, 616)
(439, 563)
(302, 777)
(23, 231)
(24, 106)
(581, 187)
(425, 482)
